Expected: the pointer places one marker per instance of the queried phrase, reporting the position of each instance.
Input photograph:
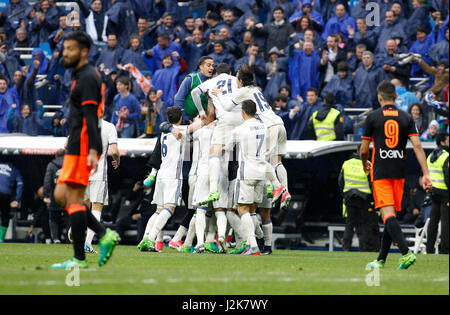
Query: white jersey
(251, 137)
(172, 154)
(204, 138)
(195, 154)
(228, 84)
(109, 136)
(263, 108)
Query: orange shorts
(75, 170)
(388, 192)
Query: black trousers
(439, 212)
(365, 223)
(57, 221)
(124, 224)
(5, 209)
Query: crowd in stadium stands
(302, 53)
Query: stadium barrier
(406, 229)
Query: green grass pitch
(24, 269)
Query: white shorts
(192, 180)
(249, 191)
(201, 190)
(266, 203)
(276, 140)
(222, 132)
(97, 191)
(167, 192)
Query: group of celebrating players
(235, 118)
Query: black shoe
(260, 242)
(267, 250)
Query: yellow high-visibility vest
(325, 129)
(436, 170)
(355, 177)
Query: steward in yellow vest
(438, 165)
(356, 190)
(327, 123)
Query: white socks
(267, 229)
(180, 233)
(258, 231)
(90, 234)
(281, 174)
(214, 172)
(200, 226)
(211, 225)
(249, 229)
(221, 223)
(150, 223)
(191, 232)
(160, 222)
(236, 225)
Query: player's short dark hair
(249, 107)
(245, 74)
(440, 137)
(203, 59)
(223, 68)
(174, 114)
(387, 91)
(82, 38)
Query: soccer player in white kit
(167, 195)
(251, 180)
(97, 191)
(276, 133)
(226, 122)
(218, 163)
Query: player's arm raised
(197, 124)
(196, 94)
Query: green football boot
(407, 260)
(71, 263)
(144, 246)
(3, 230)
(240, 249)
(107, 244)
(212, 247)
(213, 196)
(269, 191)
(375, 264)
(187, 249)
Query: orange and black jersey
(389, 129)
(86, 107)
